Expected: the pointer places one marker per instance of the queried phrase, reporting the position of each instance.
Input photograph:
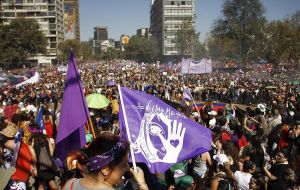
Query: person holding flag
(159, 134)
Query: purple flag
(160, 135)
(186, 96)
(74, 114)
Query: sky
(126, 16)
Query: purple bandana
(35, 130)
(97, 162)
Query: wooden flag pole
(92, 127)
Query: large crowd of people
(255, 143)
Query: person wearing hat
(212, 119)
(275, 119)
(24, 159)
(223, 172)
(20, 107)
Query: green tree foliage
(278, 41)
(142, 49)
(242, 21)
(86, 51)
(187, 37)
(64, 49)
(295, 41)
(200, 51)
(20, 40)
(221, 48)
(110, 54)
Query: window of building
(53, 45)
(182, 2)
(172, 3)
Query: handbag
(45, 160)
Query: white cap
(213, 113)
(220, 158)
(262, 107)
(195, 114)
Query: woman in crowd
(103, 163)
(243, 177)
(44, 149)
(258, 182)
(48, 122)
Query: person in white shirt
(243, 177)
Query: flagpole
(127, 129)
(92, 127)
(195, 104)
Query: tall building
(166, 19)
(100, 35)
(49, 15)
(143, 32)
(71, 19)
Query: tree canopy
(242, 21)
(19, 40)
(142, 49)
(187, 37)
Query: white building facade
(166, 18)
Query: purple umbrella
(111, 83)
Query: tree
(110, 54)
(20, 40)
(187, 37)
(142, 49)
(221, 48)
(64, 50)
(278, 41)
(242, 21)
(295, 45)
(200, 51)
(86, 51)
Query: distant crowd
(256, 131)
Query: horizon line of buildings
(59, 21)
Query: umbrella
(111, 83)
(96, 101)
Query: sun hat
(9, 131)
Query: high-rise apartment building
(100, 33)
(143, 32)
(166, 19)
(71, 19)
(49, 15)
